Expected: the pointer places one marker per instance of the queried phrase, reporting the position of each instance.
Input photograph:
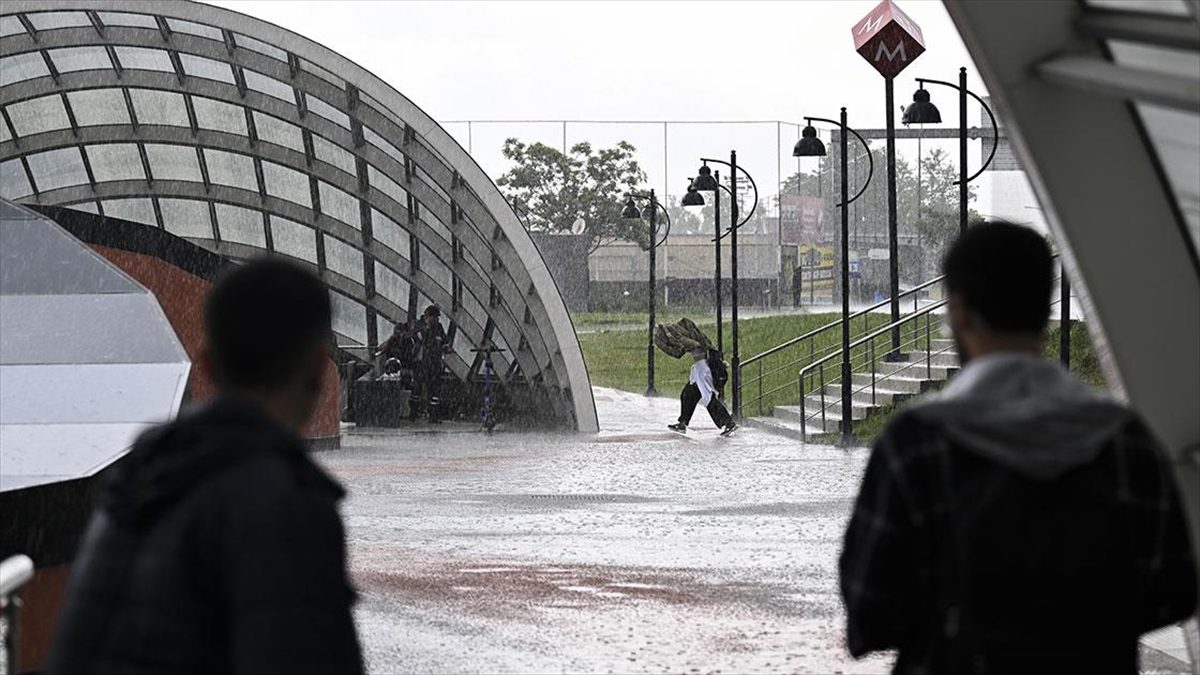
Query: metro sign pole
(889, 40)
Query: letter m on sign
(888, 39)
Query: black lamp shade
(705, 181)
(648, 211)
(693, 197)
(809, 145)
(921, 111)
(630, 210)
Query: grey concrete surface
(636, 550)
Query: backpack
(720, 372)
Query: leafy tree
(550, 190)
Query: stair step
(833, 412)
(884, 394)
(900, 383)
(789, 429)
(946, 358)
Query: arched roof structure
(245, 137)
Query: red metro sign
(888, 39)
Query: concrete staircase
(895, 382)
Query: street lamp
(706, 181)
(710, 178)
(923, 111)
(811, 146)
(650, 213)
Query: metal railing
(766, 381)
(15, 572)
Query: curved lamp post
(706, 181)
(712, 178)
(649, 213)
(923, 111)
(811, 146)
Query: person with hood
(430, 346)
(216, 544)
(1016, 522)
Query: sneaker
(678, 426)
(729, 429)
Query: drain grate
(611, 498)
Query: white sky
(632, 61)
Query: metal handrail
(876, 333)
(837, 322)
(15, 572)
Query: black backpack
(720, 372)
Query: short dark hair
(1004, 273)
(261, 321)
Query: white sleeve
(704, 382)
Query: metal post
(735, 362)
(1064, 321)
(962, 150)
(650, 335)
(847, 396)
(893, 243)
(717, 248)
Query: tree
(551, 190)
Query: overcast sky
(630, 61)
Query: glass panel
(115, 161)
(219, 116)
(349, 318)
(436, 225)
(1175, 135)
(333, 154)
(14, 184)
(228, 168)
(9, 25)
(269, 86)
(21, 67)
(292, 238)
(463, 344)
(473, 307)
(57, 168)
(51, 20)
(137, 210)
(186, 218)
(386, 185)
(260, 47)
(37, 115)
(181, 26)
(141, 58)
(319, 107)
(127, 19)
(286, 184)
(173, 162)
(274, 130)
(338, 204)
(71, 59)
(390, 234)
(98, 106)
(86, 207)
(343, 258)
(435, 268)
(379, 142)
(159, 107)
(383, 327)
(391, 285)
(198, 66)
(241, 226)
(1145, 57)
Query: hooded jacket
(1015, 522)
(216, 547)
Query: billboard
(802, 218)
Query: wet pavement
(635, 550)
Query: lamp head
(693, 196)
(631, 209)
(809, 145)
(922, 111)
(705, 181)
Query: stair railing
(768, 381)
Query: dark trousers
(427, 384)
(688, 399)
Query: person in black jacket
(216, 545)
(430, 347)
(1017, 521)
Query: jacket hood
(1026, 413)
(169, 461)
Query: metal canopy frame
(488, 253)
